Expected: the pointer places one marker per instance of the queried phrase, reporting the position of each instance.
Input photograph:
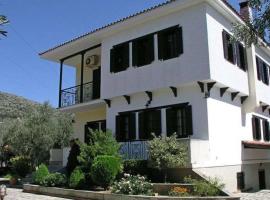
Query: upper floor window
(143, 51)
(234, 52)
(126, 127)
(179, 121)
(170, 43)
(256, 128)
(260, 125)
(120, 57)
(262, 71)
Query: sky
(37, 25)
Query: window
(266, 130)
(143, 51)
(262, 71)
(149, 122)
(120, 57)
(179, 121)
(228, 47)
(256, 128)
(126, 127)
(170, 43)
(234, 52)
(241, 56)
(240, 180)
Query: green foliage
(208, 187)
(259, 26)
(40, 174)
(54, 180)
(73, 156)
(105, 169)
(135, 167)
(3, 20)
(35, 134)
(133, 185)
(77, 179)
(102, 143)
(167, 153)
(20, 165)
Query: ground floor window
(262, 184)
(149, 121)
(94, 126)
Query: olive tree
(3, 20)
(167, 152)
(35, 134)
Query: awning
(256, 145)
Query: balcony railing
(71, 96)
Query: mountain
(12, 106)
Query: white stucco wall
(191, 66)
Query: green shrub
(135, 167)
(40, 174)
(20, 165)
(54, 180)
(101, 143)
(208, 187)
(105, 169)
(76, 179)
(133, 185)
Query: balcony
(79, 94)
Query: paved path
(262, 195)
(17, 194)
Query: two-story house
(172, 69)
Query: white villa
(171, 68)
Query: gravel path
(262, 195)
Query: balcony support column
(82, 70)
(60, 83)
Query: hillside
(12, 106)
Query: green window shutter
(156, 122)
(189, 124)
(132, 126)
(225, 44)
(179, 41)
(112, 60)
(266, 130)
(171, 121)
(125, 54)
(134, 53)
(151, 51)
(118, 128)
(142, 126)
(161, 41)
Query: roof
(256, 145)
(124, 19)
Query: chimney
(245, 10)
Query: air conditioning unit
(92, 61)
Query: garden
(96, 166)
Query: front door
(262, 184)
(94, 126)
(96, 83)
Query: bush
(20, 165)
(73, 156)
(101, 143)
(208, 187)
(54, 180)
(105, 169)
(76, 179)
(179, 192)
(40, 174)
(135, 167)
(133, 185)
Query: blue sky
(36, 25)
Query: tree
(259, 27)
(166, 153)
(3, 20)
(37, 133)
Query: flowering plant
(179, 191)
(133, 185)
